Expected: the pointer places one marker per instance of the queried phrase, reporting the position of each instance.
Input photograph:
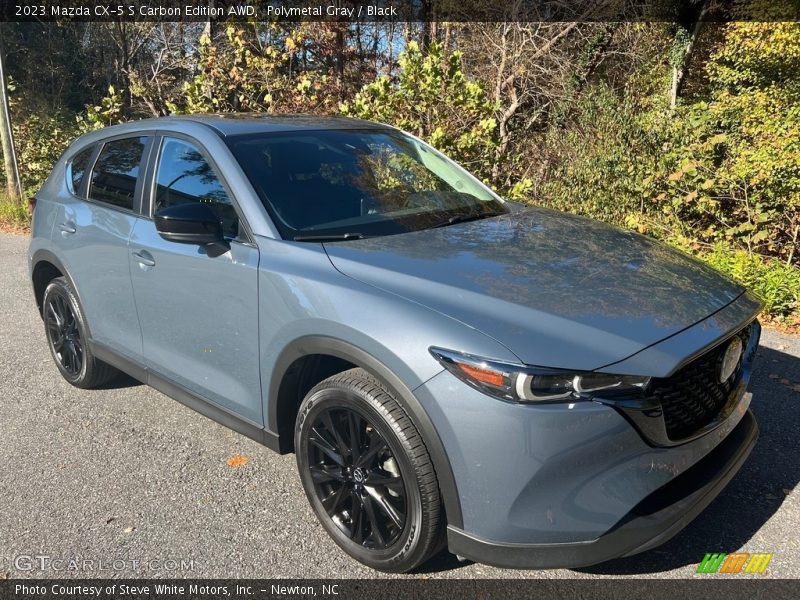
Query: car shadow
(755, 493)
(120, 382)
(443, 561)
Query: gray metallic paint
(185, 335)
(535, 286)
(96, 255)
(556, 289)
(550, 473)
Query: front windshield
(358, 183)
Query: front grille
(693, 396)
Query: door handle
(68, 227)
(144, 258)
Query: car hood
(556, 289)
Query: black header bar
(457, 11)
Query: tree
(733, 164)
(13, 184)
(433, 98)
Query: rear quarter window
(76, 169)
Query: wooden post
(11, 168)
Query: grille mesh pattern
(691, 398)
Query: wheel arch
(282, 407)
(46, 266)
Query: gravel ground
(127, 474)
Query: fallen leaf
(773, 376)
(109, 519)
(237, 460)
(129, 529)
(785, 381)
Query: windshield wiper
(329, 237)
(466, 218)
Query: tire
(378, 498)
(67, 335)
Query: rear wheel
(367, 473)
(66, 336)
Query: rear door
(198, 305)
(93, 230)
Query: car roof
(249, 123)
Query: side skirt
(202, 405)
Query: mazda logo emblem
(730, 360)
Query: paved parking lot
(125, 474)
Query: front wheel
(367, 473)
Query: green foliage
(230, 76)
(434, 99)
(13, 216)
(756, 55)
(40, 141)
(776, 283)
(721, 172)
(40, 138)
(731, 170)
(107, 112)
(606, 158)
(240, 75)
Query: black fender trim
(43, 255)
(205, 407)
(308, 345)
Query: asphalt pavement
(127, 480)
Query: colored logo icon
(737, 562)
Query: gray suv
(525, 387)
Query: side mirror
(190, 223)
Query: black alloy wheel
(68, 339)
(63, 334)
(356, 478)
(367, 473)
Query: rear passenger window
(116, 172)
(77, 168)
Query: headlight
(521, 383)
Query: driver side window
(184, 175)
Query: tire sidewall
(403, 554)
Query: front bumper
(572, 484)
(653, 521)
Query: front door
(198, 306)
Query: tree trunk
(679, 70)
(13, 184)
(208, 28)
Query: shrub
(40, 142)
(13, 216)
(605, 160)
(775, 282)
(434, 99)
(732, 161)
